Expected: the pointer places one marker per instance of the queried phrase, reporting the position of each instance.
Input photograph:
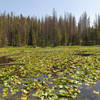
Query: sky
(40, 8)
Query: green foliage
(49, 31)
(49, 73)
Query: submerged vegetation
(48, 73)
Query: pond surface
(88, 54)
(87, 92)
(5, 59)
(19, 94)
(62, 77)
(84, 53)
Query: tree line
(48, 31)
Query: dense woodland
(48, 31)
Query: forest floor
(50, 73)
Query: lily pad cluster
(49, 73)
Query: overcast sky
(41, 8)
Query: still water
(87, 92)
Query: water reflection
(87, 92)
